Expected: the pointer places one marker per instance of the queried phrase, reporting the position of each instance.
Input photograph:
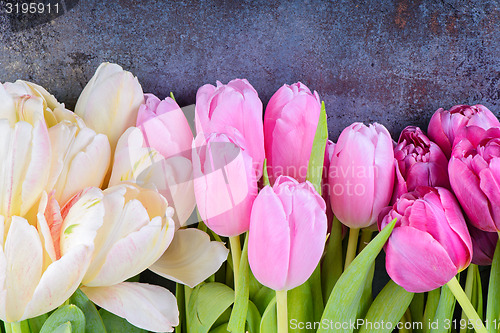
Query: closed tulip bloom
(361, 174)
(474, 170)
(165, 127)
(225, 184)
(287, 233)
(234, 106)
(483, 245)
(419, 161)
(110, 101)
(290, 124)
(445, 124)
(325, 193)
(44, 260)
(430, 243)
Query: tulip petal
(143, 305)
(417, 266)
(24, 260)
(190, 258)
(269, 260)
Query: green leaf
(240, 308)
(388, 307)
(493, 305)
(367, 296)
(344, 300)
(62, 315)
(179, 295)
(332, 266)
(172, 96)
(220, 329)
(317, 294)
(478, 293)
(430, 308)
(300, 304)
(263, 297)
(116, 324)
(35, 324)
(265, 175)
(93, 321)
(207, 302)
(269, 322)
(253, 318)
(444, 313)
(417, 310)
(64, 328)
(317, 157)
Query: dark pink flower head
(430, 243)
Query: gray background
(394, 62)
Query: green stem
(469, 285)
(366, 237)
(405, 319)
(16, 327)
(236, 254)
(7, 326)
(351, 247)
(281, 305)
(466, 305)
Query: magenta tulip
(290, 124)
(233, 107)
(474, 170)
(445, 125)
(361, 174)
(483, 245)
(430, 243)
(225, 184)
(287, 233)
(164, 126)
(419, 162)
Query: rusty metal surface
(394, 62)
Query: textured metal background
(394, 62)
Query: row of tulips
(92, 198)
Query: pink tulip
(361, 174)
(430, 243)
(419, 161)
(287, 233)
(290, 124)
(225, 184)
(233, 107)
(330, 146)
(165, 127)
(474, 170)
(483, 245)
(445, 125)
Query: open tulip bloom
(90, 199)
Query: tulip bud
(287, 233)
(110, 101)
(474, 170)
(430, 243)
(325, 193)
(361, 174)
(419, 162)
(291, 117)
(165, 127)
(483, 245)
(445, 125)
(225, 184)
(237, 106)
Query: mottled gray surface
(393, 62)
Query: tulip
(287, 233)
(483, 245)
(44, 261)
(430, 243)
(325, 193)
(290, 124)
(80, 159)
(110, 101)
(361, 174)
(165, 127)
(445, 125)
(474, 170)
(135, 162)
(419, 161)
(225, 184)
(231, 108)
